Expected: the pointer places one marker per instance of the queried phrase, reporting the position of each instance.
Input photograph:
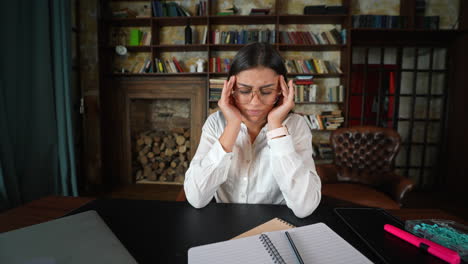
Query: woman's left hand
(285, 105)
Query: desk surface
(164, 231)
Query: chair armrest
(397, 187)
(328, 173)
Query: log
(152, 176)
(187, 134)
(182, 149)
(146, 171)
(150, 155)
(178, 130)
(173, 164)
(148, 140)
(180, 140)
(179, 178)
(143, 160)
(139, 175)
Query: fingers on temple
(291, 90)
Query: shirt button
(245, 178)
(247, 161)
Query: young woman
(254, 150)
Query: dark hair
(257, 55)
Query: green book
(135, 37)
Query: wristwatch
(277, 132)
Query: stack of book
(168, 66)
(323, 9)
(427, 22)
(243, 37)
(259, 11)
(335, 94)
(304, 89)
(218, 64)
(227, 11)
(216, 87)
(331, 120)
(327, 120)
(142, 67)
(378, 21)
(168, 9)
(312, 66)
(325, 150)
(332, 37)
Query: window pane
(422, 83)
(403, 130)
(433, 134)
(406, 83)
(405, 107)
(420, 107)
(418, 132)
(436, 108)
(438, 83)
(408, 58)
(416, 155)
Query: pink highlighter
(435, 249)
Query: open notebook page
(242, 250)
(316, 243)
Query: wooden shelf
(181, 21)
(323, 75)
(158, 182)
(117, 74)
(318, 103)
(130, 22)
(312, 19)
(183, 47)
(243, 20)
(296, 47)
(226, 47)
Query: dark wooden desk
(164, 231)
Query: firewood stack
(162, 155)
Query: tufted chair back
(365, 154)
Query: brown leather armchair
(363, 171)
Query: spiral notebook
(275, 224)
(316, 243)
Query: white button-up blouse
(277, 171)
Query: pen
(433, 248)
(291, 242)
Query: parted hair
(257, 54)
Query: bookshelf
(276, 21)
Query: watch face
(121, 50)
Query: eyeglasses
(267, 96)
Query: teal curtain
(36, 152)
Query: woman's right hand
(226, 103)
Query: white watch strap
(277, 132)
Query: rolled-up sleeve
(208, 168)
(294, 168)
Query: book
(274, 224)
(135, 36)
(316, 243)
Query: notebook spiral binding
(271, 249)
(284, 222)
